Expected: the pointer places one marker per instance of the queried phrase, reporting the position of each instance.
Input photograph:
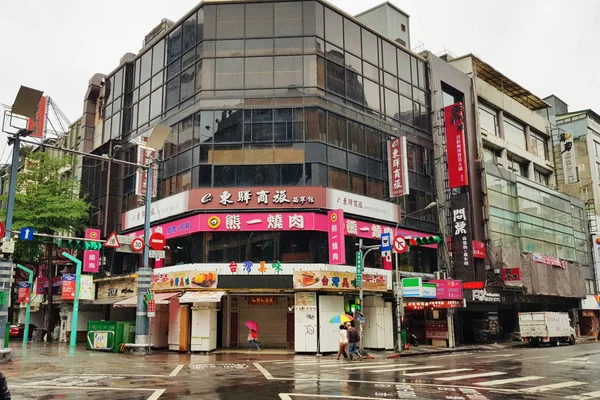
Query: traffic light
(426, 240)
(74, 244)
(357, 305)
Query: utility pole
(156, 141)
(7, 267)
(144, 277)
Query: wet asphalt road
(51, 372)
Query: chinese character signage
(68, 287)
(38, 122)
(262, 300)
(436, 330)
(24, 292)
(462, 246)
(257, 197)
(548, 260)
(91, 258)
(567, 151)
(145, 156)
(184, 280)
(364, 206)
(479, 249)
(397, 167)
(448, 289)
(339, 281)
(337, 243)
(454, 120)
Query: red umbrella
(253, 325)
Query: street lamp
(25, 105)
(398, 291)
(156, 141)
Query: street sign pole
(399, 305)
(144, 278)
(28, 307)
(5, 279)
(78, 263)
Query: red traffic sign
(157, 241)
(151, 308)
(2, 230)
(400, 244)
(137, 245)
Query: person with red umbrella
(252, 334)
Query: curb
(441, 351)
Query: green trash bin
(403, 336)
(129, 332)
(101, 335)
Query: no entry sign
(157, 241)
(400, 244)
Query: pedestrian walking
(343, 349)
(353, 341)
(252, 339)
(4, 392)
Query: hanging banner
(37, 124)
(68, 287)
(24, 292)
(145, 156)
(455, 146)
(337, 244)
(567, 151)
(462, 244)
(91, 258)
(397, 167)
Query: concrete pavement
(52, 372)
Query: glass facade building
(532, 218)
(291, 93)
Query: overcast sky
(544, 45)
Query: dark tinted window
(316, 124)
(335, 78)
(189, 33)
(174, 45)
(336, 133)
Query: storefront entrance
(271, 314)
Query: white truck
(546, 327)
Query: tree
(47, 201)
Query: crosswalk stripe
(499, 355)
(545, 388)
(481, 375)
(438, 372)
(510, 380)
(407, 368)
(378, 366)
(585, 396)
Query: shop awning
(160, 298)
(201, 297)
(104, 301)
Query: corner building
(280, 114)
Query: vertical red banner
(91, 258)
(68, 287)
(37, 123)
(337, 243)
(397, 167)
(455, 146)
(24, 292)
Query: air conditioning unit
(440, 275)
